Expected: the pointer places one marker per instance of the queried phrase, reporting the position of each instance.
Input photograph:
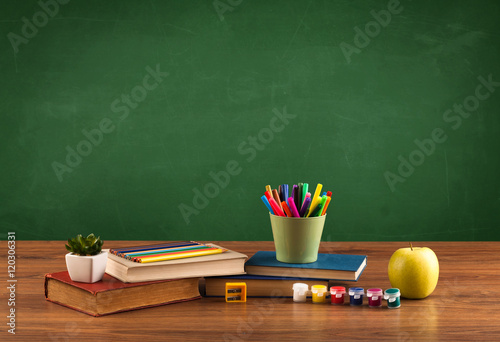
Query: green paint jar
(393, 298)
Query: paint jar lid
(356, 291)
(300, 287)
(337, 290)
(318, 288)
(374, 292)
(394, 292)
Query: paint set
(338, 296)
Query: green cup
(297, 239)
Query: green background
(227, 77)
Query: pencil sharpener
(236, 292)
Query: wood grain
(463, 307)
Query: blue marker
(266, 202)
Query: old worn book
(258, 286)
(227, 263)
(328, 266)
(110, 295)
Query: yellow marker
(315, 199)
(326, 205)
(268, 189)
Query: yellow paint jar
(319, 293)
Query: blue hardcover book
(258, 286)
(328, 266)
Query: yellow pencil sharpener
(236, 292)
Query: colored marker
(295, 194)
(328, 199)
(268, 189)
(319, 208)
(311, 208)
(268, 195)
(301, 197)
(305, 206)
(276, 208)
(293, 208)
(286, 209)
(305, 190)
(266, 202)
(285, 192)
(280, 192)
(277, 198)
(315, 198)
(323, 194)
(308, 195)
(329, 194)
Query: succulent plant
(91, 245)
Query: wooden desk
(464, 306)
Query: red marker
(275, 207)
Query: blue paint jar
(356, 295)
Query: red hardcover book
(110, 295)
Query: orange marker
(328, 199)
(287, 210)
(277, 198)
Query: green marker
(319, 208)
(305, 189)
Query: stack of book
(132, 283)
(267, 277)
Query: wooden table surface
(464, 307)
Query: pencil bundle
(300, 203)
(166, 251)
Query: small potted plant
(86, 261)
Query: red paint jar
(374, 297)
(337, 294)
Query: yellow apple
(414, 271)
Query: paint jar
(356, 295)
(392, 297)
(300, 292)
(337, 294)
(374, 297)
(319, 293)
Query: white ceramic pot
(86, 269)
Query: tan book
(227, 263)
(111, 295)
(258, 286)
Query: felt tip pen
(266, 202)
(295, 195)
(286, 209)
(285, 192)
(269, 190)
(328, 199)
(305, 206)
(300, 195)
(319, 208)
(293, 208)
(276, 208)
(315, 198)
(305, 189)
(277, 198)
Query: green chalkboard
(166, 119)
